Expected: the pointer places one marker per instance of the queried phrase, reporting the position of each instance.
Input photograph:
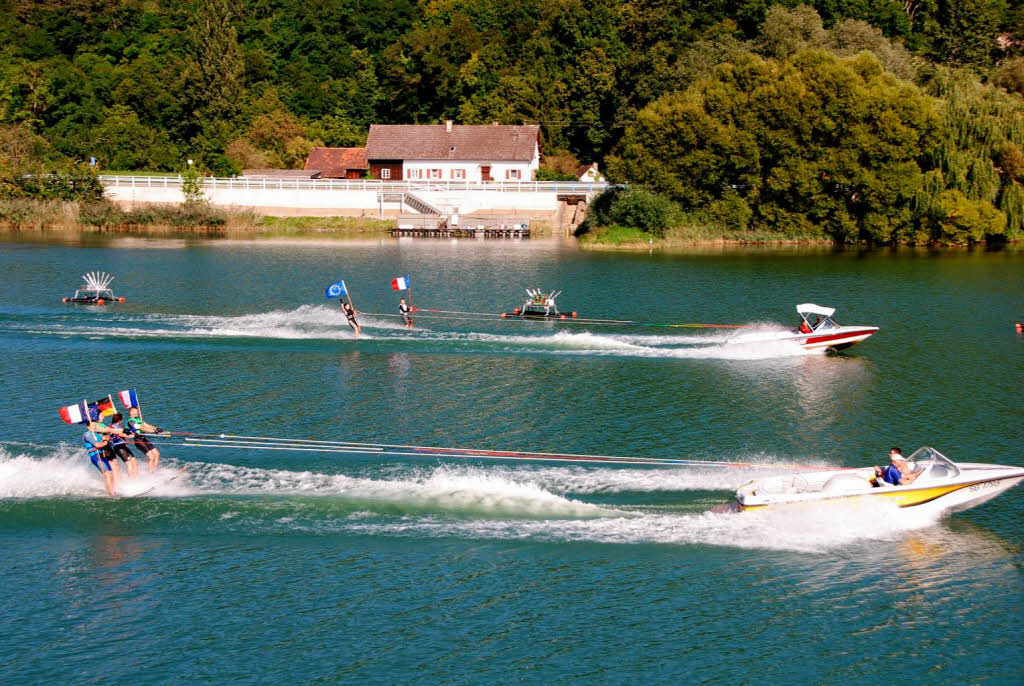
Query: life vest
(133, 425)
(114, 438)
(88, 439)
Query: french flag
(75, 414)
(128, 398)
(400, 284)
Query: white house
(453, 153)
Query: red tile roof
(435, 142)
(336, 158)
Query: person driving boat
(897, 473)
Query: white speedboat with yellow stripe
(938, 485)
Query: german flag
(104, 408)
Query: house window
(458, 173)
(513, 174)
(433, 173)
(385, 173)
(415, 173)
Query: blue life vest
(114, 438)
(88, 439)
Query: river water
(266, 566)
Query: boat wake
(544, 504)
(323, 323)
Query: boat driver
(897, 473)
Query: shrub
(641, 209)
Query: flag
(400, 284)
(128, 398)
(104, 408)
(75, 414)
(336, 290)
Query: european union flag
(336, 290)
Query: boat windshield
(826, 324)
(931, 465)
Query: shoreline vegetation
(864, 122)
(30, 216)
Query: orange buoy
(101, 301)
(65, 300)
(504, 314)
(120, 299)
(574, 315)
(515, 311)
(1020, 329)
(561, 316)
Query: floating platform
(460, 232)
(95, 290)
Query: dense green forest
(880, 120)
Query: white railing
(264, 183)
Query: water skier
(403, 309)
(98, 446)
(350, 313)
(136, 427)
(119, 445)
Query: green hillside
(884, 120)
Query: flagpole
(411, 309)
(347, 294)
(138, 403)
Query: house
(336, 163)
(590, 173)
(446, 152)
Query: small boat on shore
(823, 333)
(539, 305)
(95, 290)
(939, 485)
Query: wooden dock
(462, 232)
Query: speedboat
(539, 305)
(95, 290)
(823, 333)
(938, 484)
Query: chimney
(447, 125)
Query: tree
(811, 145)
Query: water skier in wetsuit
(403, 309)
(119, 445)
(98, 447)
(136, 427)
(350, 312)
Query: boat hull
(962, 494)
(833, 340)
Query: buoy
(1020, 329)
(67, 300)
(574, 315)
(504, 314)
(100, 302)
(561, 316)
(120, 299)
(515, 311)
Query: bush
(634, 208)
(955, 219)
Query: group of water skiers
(106, 443)
(350, 313)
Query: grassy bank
(39, 216)
(628, 238)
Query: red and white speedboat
(817, 331)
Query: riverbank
(627, 239)
(201, 219)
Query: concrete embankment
(561, 204)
